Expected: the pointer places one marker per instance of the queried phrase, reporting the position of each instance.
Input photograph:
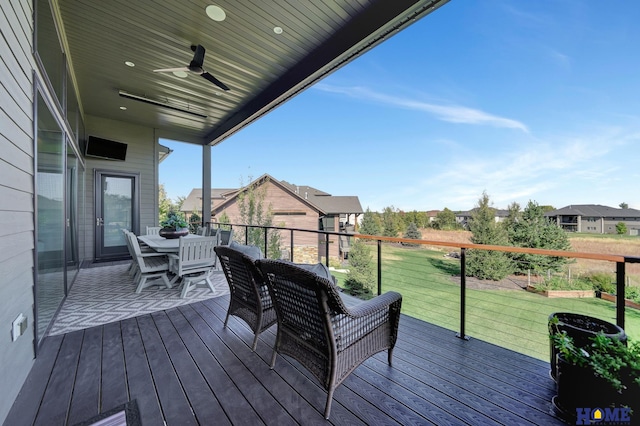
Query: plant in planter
(604, 374)
(174, 226)
(581, 328)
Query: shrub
(360, 280)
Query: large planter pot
(578, 387)
(581, 328)
(172, 233)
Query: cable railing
(431, 276)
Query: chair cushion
(319, 269)
(253, 252)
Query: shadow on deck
(184, 368)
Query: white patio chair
(153, 230)
(150, 265)
(226, 235)
(195, 261)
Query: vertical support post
(620, 279)
(266, 232)
(206, 184)
(326, 249)
(291, 254)
(463, 293)
(379, 267)
(246, 235)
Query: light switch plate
(17, 326)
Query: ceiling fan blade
(214, 80)
(198, 57)
(172, 69)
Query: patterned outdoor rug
(106, 294)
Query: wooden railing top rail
(556, 253)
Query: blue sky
(524, 100)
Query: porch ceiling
(261, 68)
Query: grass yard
(503, 314)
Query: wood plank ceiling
(261, 67)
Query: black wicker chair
(250, 299)
(319, 331)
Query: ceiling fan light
(181, 74)
(277, 30)
(129, 64)
(216, 13)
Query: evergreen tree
(361, 278)
(413, 234)
(623, 205)
(391, 225)
(486, 264)
(164, 204)
(195, 221)
(534, 230)
(370, 224)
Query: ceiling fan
(195, 66)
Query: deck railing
(432, 277)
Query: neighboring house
(300, 207)
(462, 218)
(193, 202)
(595, 219)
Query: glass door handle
(99, 221)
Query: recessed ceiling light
(216, 13)
(181, 74)
(129, 64)
(124, 108)
(277, 30)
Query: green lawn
(515, 319)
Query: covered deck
(183, 368)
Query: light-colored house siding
(16, 194)
(141, 158)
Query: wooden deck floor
(184, 368)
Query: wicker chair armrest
(373, 305)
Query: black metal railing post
(266, 245)
(379, 267)
(291, 254)
(326, 249)
(463, 293)
(620, 293)
(246, 235)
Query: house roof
(593, 210)
(266, 52)
(469, 213)
(321, 201)
(193, 202)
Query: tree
(486, 264)
(360, 279)
(534, 230)
(253, 212)
(623, 205)
(445, 220)
(413, 234)
(391, 224)
(370, 224)
(164, 204)
(621, 228)
(514, 215)
(195, 221)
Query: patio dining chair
(226, 236)
(194, 262)
(250, 299)
(319, 331)
(153, 230)
(149, 265)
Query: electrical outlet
(18, 327)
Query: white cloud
(450, 113)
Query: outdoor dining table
(164, 245)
